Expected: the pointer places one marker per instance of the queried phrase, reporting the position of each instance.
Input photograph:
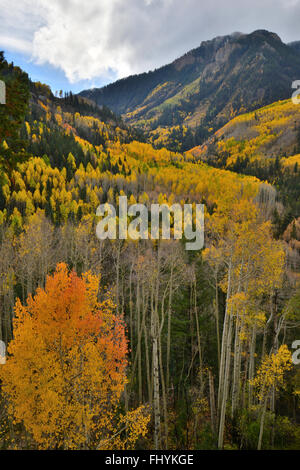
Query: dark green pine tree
(12, 114)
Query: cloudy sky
(76, 44)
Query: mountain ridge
(205, 87)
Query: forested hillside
(182, 103)
(264, 143)
(126, 344)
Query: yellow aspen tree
(66, 366)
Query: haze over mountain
(206, 87)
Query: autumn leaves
(67, 368)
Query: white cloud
(79, 39)
(15, 44)
(18, 21)
(105, 38)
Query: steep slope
(264, 143)
(12, 114)
(78, 116)
(48, 119)
(260, 136)
(206, 87)
(78, 155)
(171, 302)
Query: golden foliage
(66, 367)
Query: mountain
(264, 143)
(77, 155)
(295, 45)
(260, 136)
(204, 88)
(182, 310)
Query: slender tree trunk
(224, 342)
(226, 385)
(212, 401)
(155, 360)
(198, 340)
(139, 356)
(251, 365)
(164, 396)
(149, 382)
(262, 422)
(156, 394)
(169, 328)
(217, 319)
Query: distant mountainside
(76, 155)
(77, 116)
(204, 88)
(260, 136)
(295, 45)
(264, 143)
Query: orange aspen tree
(66, 367)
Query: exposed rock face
(209, 85)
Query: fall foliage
(66, 368)
(139, 344)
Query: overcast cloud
(109, 38)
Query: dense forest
(141, 344)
